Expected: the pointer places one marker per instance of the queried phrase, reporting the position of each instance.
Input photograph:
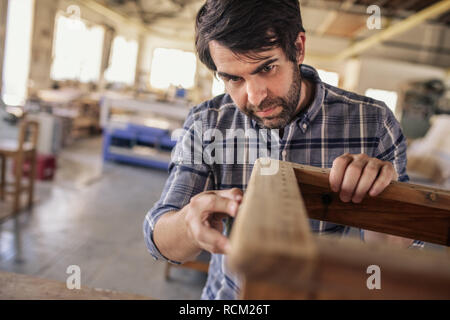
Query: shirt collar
(304, 119)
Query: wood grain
(15, 286)
(398, 191)
(278, 257)
(402, 209)
(381, 215)
(268, 223)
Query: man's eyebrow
(262, 66)
(257, 70)
(226, 75)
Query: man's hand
(355, 175)
(204, 216)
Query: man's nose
(256, 92)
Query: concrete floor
(91, 215)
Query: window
(17, 51)
(77, 50)
(388, 97)
(332, 78)
(172, 67)
(122, 68)
(218, 87)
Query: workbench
(139, 132)
(176, 112)
(15, 286)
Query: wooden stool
(201, 264)
(19, 151)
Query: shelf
(173, 111)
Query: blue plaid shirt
(336, 122)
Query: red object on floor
(45, 167)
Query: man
(257, 48)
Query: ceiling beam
(121, 18)
(112, 14)
(360, 8)
(331, 17)
(394, 30)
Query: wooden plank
(15, 286)
(341, 269)
(399, 191)
(346, 25)
(278, 257)
(257, 289)
(196, 265)
(340, 272)
(269, 224)
(402, 209)
(200, 266)
(386, 216)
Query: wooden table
(15, 286)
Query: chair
(20, 152)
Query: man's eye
(234, 79)
(268, 68)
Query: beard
(289, 104)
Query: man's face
(266, 90)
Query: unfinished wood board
(268, 225)
(15, 286)
(402, 209)
(200, 266)
(346, 25)
(273, 247)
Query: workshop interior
(92, 93)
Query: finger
(210, 239)
(233, 194)
(351, 178)
(201, 231)
(209, 202)
(338, 170)
(367, 179)
(384, 179)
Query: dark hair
(248, 27)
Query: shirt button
(304, 126)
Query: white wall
(391, 75)
(360, 74)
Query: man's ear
(300, 45)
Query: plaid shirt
(336, 122)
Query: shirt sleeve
(188, 176)
(392, 145)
